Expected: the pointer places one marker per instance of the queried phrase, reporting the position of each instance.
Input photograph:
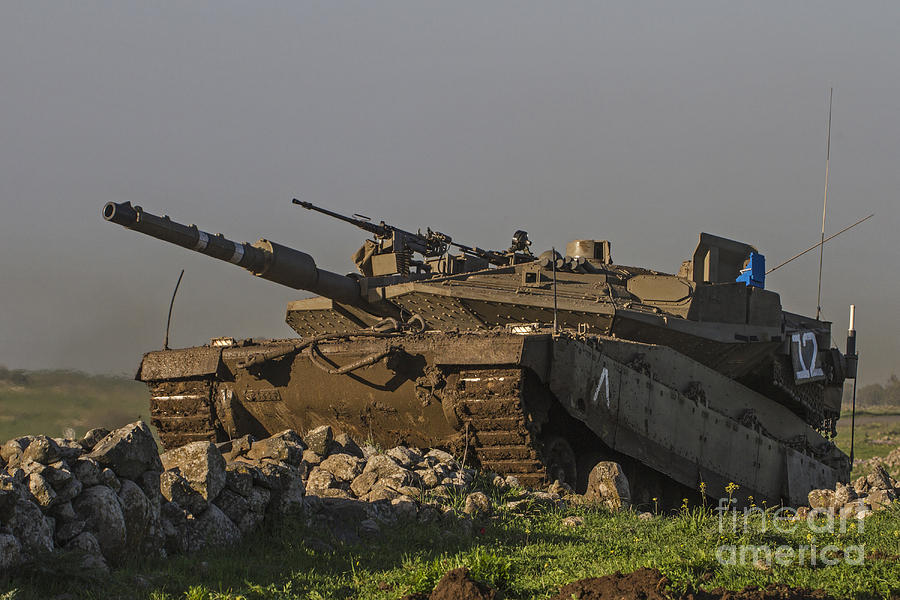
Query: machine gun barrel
(433, 244)
(266, 259)
(379, 230)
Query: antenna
(171, 304)
(853, 368)
(555, 322)
(817, 244)
(824, 203)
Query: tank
(538, 366)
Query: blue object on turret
(755, 273)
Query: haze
(639, 122)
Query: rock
(880, 479)
(382, 490)
(10, 493)
(67, 531)
(477, 504)
(821, 499)
(368, 527)
(386, 469)
(608, 485)
(41, 449)
(285, 447)
(249, 522)
(237, 447)
(69, 491)
(343, 467)
(94, 564)
(442, 457)
(428, 476)
(29, 525)
(174, 527)
(136, 511)
(177, 489)
(99, 507)
(560, 487)
(319, 482)
(512, 481)
(843, 494)
(129, 451)
(320, 440)
(429, 513)
(232, 504)
(63, 512)
(312, 458)
(93, 560)
(405, 457)
(41, 490)
(258, 499)
(212, 528)
(499, 483)
(10, 552)
(362, 485)
(85, 542)
(201, 465)
(880, 499)
(69, 450)
(287, 488)
(90, 439)
(573, 522)
(861, 486)
(87, 470)
(239, 478)
(411, 491)
(109, 479)
(344, 444)
(853, 508)
(405, 508)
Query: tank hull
(538, 406)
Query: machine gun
(392, 240)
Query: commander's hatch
(716, 260)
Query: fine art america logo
(820, 547)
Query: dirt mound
(643, 584)
(650, 584)
(773, 591)
(457, 585)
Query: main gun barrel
(266, 259)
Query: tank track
(495, 425)
(182, 411)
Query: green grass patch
(523, 556)
(54, 402)
(876, 435)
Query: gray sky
(639, 122)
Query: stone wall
(865, 495)
(109, 495)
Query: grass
(52, 402)
(523, 556)
(877, 433)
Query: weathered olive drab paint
(685, 379)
